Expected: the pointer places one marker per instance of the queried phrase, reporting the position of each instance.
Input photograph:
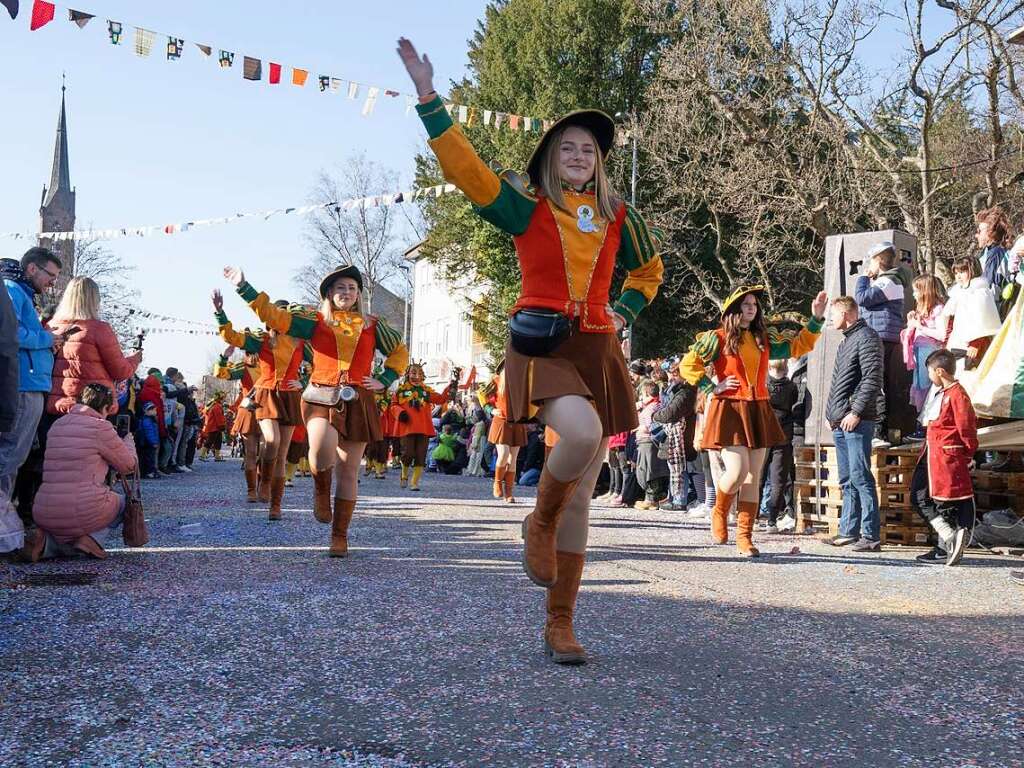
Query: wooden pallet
(907, 537)
(986, 501)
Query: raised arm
(242, 339)
(781, 347)
(295, 321)
(705, 350)
(502, 201)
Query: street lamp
(408, 279)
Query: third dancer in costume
(570, 229)
(739, 422)
(344, 341)
(244, 426)
(277, 392)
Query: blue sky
(153, 141)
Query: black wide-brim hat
(345, 270)
(599, 123)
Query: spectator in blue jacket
(991, 236)
(880, 295)
(38, 270)
(148, 441)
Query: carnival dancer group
(334, 385)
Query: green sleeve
(638, 253)
(512, 210)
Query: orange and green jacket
(342, 349)
(416, 401)
(279, 358)
(236, 372)
(750, 363)
(567, 259)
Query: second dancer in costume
(245, 426)
(507, 438)
(739, 422)
(570, 230)
(344, 341)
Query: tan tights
(506, 458)
(743, 468)
(251, 450)
(579, 454)
(276, 439)
(326, 451)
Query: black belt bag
(538, 332)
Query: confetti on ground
(234, 641)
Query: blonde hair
(606, 201)
(327, 306)
(80, 301)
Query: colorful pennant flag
(42, 14)
(335, 85)
(299, 77)
(174, 48)
(275, 73)
(144, 40)
(11, 6)
(353, 90)
(227, 59)
(252, 69)
(204, 49)
(81, 18)
(325, 83)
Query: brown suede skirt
(751, 423)
(503, 433)
(283, 407)
(356, 422)
(586, 364)
(245, 424)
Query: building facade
(442, 334)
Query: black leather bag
(538, 332)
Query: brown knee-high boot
(250, 484)
(720, 516)
(541, 526)
(265, 479)
(322, 495)
(276, 494)
(559, 639)
(745, 516)
(343, 509)
(499, 478)
(510, 481)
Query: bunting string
(145, 41)
(113, 233)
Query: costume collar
(588, 188)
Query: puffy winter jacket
(857, 375)
(91, 356)
(680, 407)
(881, 303)
(149, 431)
(35, 343)
(8, 363)
(152, 392)
(74, 499)
(783, 395)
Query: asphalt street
(231, 640)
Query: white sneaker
(697, 511)
(787, 523)
(184, 469)
(880, 443)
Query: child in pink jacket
(74, 501)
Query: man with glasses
(37, 272)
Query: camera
(348, 394)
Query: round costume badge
(585, 219)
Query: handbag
(133, 531)
(538, 332)
(330, 397)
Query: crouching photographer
(74, 503)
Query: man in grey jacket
(852, 411)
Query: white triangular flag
(353, 90)
(409, 103)
(487, 117)
(463, 113)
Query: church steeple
(60, 175)
(57, 207)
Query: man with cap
(880, 294)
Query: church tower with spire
(57, 208)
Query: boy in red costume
(941, 489)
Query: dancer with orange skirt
(277, 396)
(244, 425)
(338, 405)
(507, 439)
(739, 422)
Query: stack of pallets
(998, 490)
(818, 497)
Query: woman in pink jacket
(74, 501)
(92, 354)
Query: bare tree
(367, 236)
